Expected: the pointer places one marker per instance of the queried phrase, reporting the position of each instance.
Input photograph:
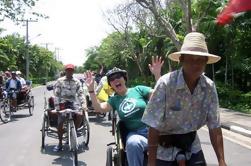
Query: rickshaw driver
(68, 88)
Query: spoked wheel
(5, 112)
(86, 129)
(73, 143)
(75, 157)
(109, 156)
(43, 132)
(31, 105)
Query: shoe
(57, 148)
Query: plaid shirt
(172, 109)
(69, 90)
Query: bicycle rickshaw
(91, 110)
(24, 98)
(71, 135)
(115, 152)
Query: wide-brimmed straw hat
(194, 44)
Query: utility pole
(57, 56)
(47, 45)
(27, 64)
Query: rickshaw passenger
(68, 88)
(13, 84)
(25, 87)
(130, 104)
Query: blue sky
(73, 26)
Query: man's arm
(217, 142)
(153, 139)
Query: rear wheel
(5, 112)
(31, 105)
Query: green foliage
(16, 9)
(13, 56)
(132, 50)
(233, 98)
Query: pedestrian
(182, 102)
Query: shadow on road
(64, 157)
(100, 121)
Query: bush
(233, 99)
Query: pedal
(112, 143)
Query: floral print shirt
(173, 109)
(70, 90)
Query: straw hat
(194, 44)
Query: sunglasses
(115, 76)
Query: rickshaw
(91, 110)
(25, 99)
(71, 135)
(115, 152)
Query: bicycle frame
(71, 133)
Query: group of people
(13, 80)
(163, 121)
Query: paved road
(20, 142)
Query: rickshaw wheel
(31, 105)
(109, 156)
(43, 132)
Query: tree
(16, 10)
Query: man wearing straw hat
(182, 102)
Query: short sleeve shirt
(131, 106)
(70, 90)
(173, 109)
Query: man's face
(69, 73)
(193, 65)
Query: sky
(73, 26)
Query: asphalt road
(20, 142)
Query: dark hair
(116, 70)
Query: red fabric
(69, 66)
(233, 7)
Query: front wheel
(86, 129)
(5, 112)
(109, 156)
(31, 105)
(73, 143)
(75, 157)
(43, 132)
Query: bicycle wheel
(86, 129)
(43, 132)
(5, 112)
(31, 105)
(73, 143)
(109, 156)
(75, 157)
